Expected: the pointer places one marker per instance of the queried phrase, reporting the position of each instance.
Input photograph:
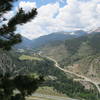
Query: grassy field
(26, 57)
(47, 93)
(47, 97)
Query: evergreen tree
(8, 38)
(16, 79)
(24, 84)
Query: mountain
(57, 83)
(43, 40)
(25, 44)
(80, 54)
(57, 36)
(53, 37)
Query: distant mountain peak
(53, 37)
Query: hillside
(80, 55)
(60, 83)
(25, 44)
(46, 39)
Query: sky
(58, 15)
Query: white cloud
(27, 6)
(83, 14)
(7, 16)
(48, 10)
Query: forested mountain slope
(77, 54)
(61, 82)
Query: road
(84, 78)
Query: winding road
(84, 78)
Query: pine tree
(17, 79)
(8, 38)
(24, 84)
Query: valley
(70, 67)
(67, 65)
(82, 78)
(57, 79)
(49, 49)
(80, 55)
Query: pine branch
(21, 17)
(7, 32)
(6, 5)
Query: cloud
(7, 16)
(76, 14)
(27, 6)
(48, 10)
(41, 25)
